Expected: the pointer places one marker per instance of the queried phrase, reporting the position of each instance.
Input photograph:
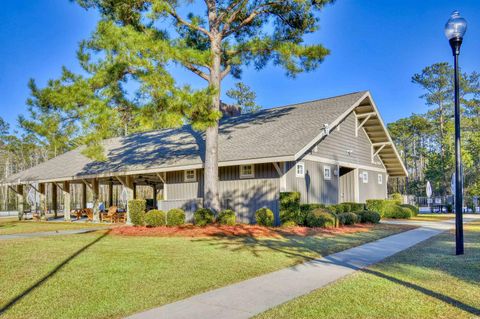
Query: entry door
(347, 185)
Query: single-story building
(330, 150)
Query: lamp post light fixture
(454, 31)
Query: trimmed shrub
(155, 218)
(290, 223)
(305, 209)
(367, 216)
(413, 209)
(334, 209)
(227, 217)
(355, 207)
(175, 217)
(290, 207)
(348, 218)
(203, 217)
(321, 217)
(398, 198)
(136, 209)
(397, 212)
(264, 217)
(380, 205)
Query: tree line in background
(426, 142)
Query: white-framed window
(300, 169)
(365, 177)
(380, 179)
(247, 171)
(327, 173)
(190, 175)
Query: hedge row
(154, 218)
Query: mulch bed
(237, 230)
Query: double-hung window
(247, 171)
(190, 175)
(300, 169)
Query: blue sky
(376, 45)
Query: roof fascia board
(81, 178)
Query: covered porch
(93, 199)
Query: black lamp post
(454, 31)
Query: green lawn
(433, 217)
(97, 275)
(9, 226)
(426, 281)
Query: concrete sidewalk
(248, 298)
(52, 233)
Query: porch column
(134, 191)
(154, 187)
(54, 200)
(66, 201)
(84, 196)
(129, 185)
(20, 199)
(95, 192)
(110, 193)
(43, 201)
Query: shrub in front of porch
(203, 217)
(321, 217)
(175, 217)
(290, 208)
(265, 217)
(155, 218)
(348, 218)
(227, 217)
(367, 216)
(397, 212)
(136, 209)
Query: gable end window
(380, 179)
(247, 171)
(327, 173)
(190, 175)
(365, 177)
(300, 169)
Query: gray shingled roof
(269, 133)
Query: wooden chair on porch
(89, 213)
(111, 215)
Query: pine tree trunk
(210, 195)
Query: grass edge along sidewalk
(248, 298)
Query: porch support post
(43, 201)
(20, 199)
(95, 192)
(84, 196)
(129, 185)
(154, 187)
(110, 193)
(66, 201)
(55, 199)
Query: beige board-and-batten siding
(372, 189)
(244, 196)
(313, 187)
(342, 144)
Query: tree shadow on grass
(42, 280)
(439, 296)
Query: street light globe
(456, 26)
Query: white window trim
(302, 164)
(329, 169)
(186, 177)
(365, 177)
(380, 179)
(251, 175)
